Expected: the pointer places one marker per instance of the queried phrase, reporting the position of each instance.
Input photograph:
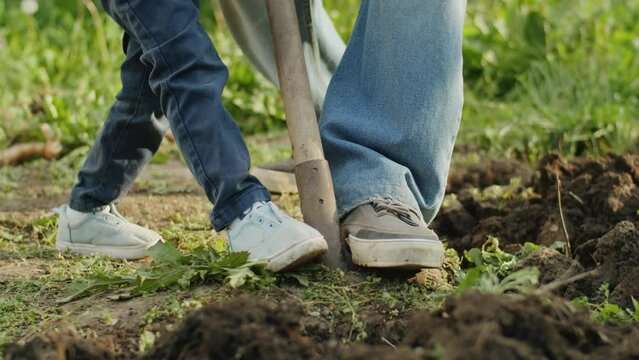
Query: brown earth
(600, 205)
(472, 326)
(596, 194)
(600, 200)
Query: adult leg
(390, 119)
(393, 107)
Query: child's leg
(127, 141)
(188, 76)
(185, 79)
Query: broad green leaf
(87, 287)
(474, 256)
(519, 281)
(232, 260)
(164, 252)
(302, 279)
(239, 276)
(161, 281)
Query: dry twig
(563, 222)
(545, 289)
(49, 149)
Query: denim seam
(120, 135)
(173, 97)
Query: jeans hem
(346, 205)
(86, 206)
(221, 217)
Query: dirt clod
(245, 328)
(617, 254)
(552, 265)
(488, 326)
(55, 346)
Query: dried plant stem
(559, 283)
(49, 149)
(563, 221)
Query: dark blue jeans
(172, 67)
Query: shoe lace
(276, 212)
(268, 211)
(402, 211)
(113, 210)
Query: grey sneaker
(269, 234)
(388, 234)
(103, 232)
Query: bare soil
(600, 202)
(473, 326)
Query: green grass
(540, 75)
(552, 76)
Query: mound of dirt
(487, 326)
(245, 328)
(617, 256)
(552, 265)
(56, 346)
(596, 194)
(614, 258)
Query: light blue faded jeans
(393, 106)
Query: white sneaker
(102, 232)
(269, 234)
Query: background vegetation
(545, 75)
(540, 75)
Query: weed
(493, 270)
(606, 312)
(170, 269)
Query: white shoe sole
(118, 252)
(396, 253)
(297, 254)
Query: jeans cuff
(221, 216)
(86, 206)
(346, 203)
